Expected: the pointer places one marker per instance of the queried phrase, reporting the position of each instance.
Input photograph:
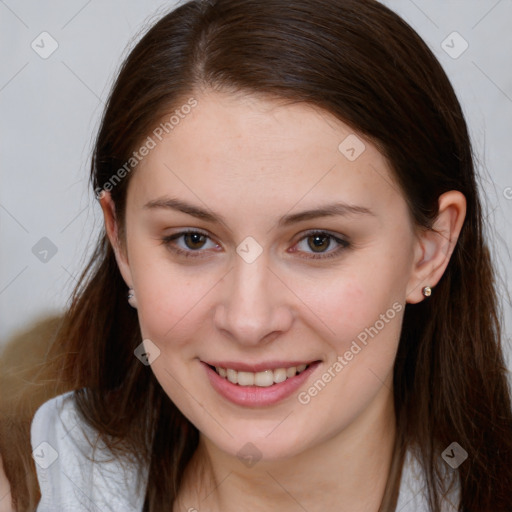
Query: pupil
(319, 242)
(196, 239)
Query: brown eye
(189, 244)
(194, 240)
(318, 243)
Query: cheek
(344, 305)
(360, 315)
(174, 301)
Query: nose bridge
(252, 306)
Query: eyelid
(341, 240)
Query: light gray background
(50, 110)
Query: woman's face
(262, 285)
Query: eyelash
(167, 241)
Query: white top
(70, 482)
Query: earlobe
(435, 246)
(112, 230)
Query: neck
(345, 473)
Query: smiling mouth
(264, 378)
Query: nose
(253, 309)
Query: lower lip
(256, 396)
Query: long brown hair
(361, 62)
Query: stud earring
(427, 291)
(132, 299)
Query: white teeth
(290, 372)
(245, 378)
(265, 378)
(279, 375)
(232, 376)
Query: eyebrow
(327, 210)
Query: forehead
(234, 153)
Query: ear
(112, 229)
(435, 246)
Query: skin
(253, 160)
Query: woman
(292, 306)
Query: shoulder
(75, 470)
(413, 494)
(52, 418)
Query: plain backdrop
(51, 104)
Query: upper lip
(256, 367)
